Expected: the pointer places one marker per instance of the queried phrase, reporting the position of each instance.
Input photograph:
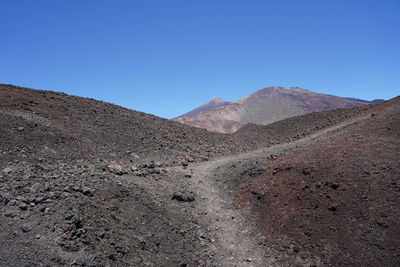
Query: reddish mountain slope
(264, 107)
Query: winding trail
(234, 239)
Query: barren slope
(88, 183)
(336, 203)
(57, 125)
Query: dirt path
(234, 242)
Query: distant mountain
(263, 107)
(377, 101)
(211, 104)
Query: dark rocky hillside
(296, 127)
(88, 183)
(45, 124)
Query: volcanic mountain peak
(262, 107)
(211, 104)
(282, 90)
(216, 99)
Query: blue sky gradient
(168, 57)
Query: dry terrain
(87, 183)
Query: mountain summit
(211, 104)
(263, 107)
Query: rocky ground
(87, 183)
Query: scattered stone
(134, 155)
(259, 195)
(159, 164)
(254, 172)
(143, 173)
(189, 159)
(102, 235)
(204, 158)
(306, 171)
(39, 200)
(116, 168)
(151, 165)
(23, 206)
(21, 128)
(143, 166)
(58, 260)
(332, 208)
(156, 171)
(333, 185)
(184, 163)
(68, 217)
(7, 170)
(113, 257)
(26, 228)
(134, 168)
(183, 197)
(272, 157)
(69, 247)
(87, 191)
(188, 176)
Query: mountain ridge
(265, 106)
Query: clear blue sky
(166, 57)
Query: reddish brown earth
(338, 203)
